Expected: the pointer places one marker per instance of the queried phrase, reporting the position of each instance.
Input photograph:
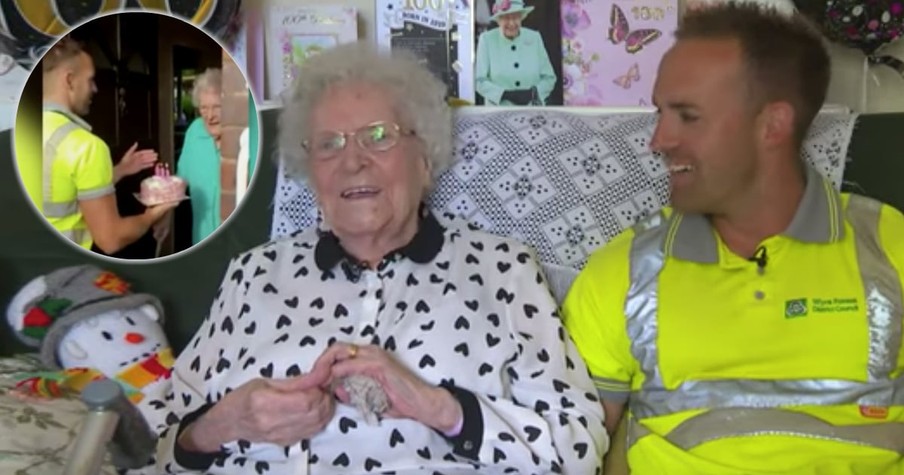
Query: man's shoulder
(656, 222)
(75, 135)
(880, 222)
(617, 250)
(52, 120)
(857, 204)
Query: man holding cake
(78, 197)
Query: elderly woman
(512, 65)
(199, 161)
(448, 334)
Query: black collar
(423, 248)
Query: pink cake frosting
(162, 187)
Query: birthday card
(611, 49)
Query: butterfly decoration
(619, 31)
(628, 78)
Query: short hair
(418, 96)
(64, 50)
(784, 55)
(210, 80)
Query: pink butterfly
(620, 31)
(632, 75)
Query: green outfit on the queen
(506, 64)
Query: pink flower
(574, 18)
(896, 8)
(502, 6)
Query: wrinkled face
(706, 129)
(209, 105)
(80, 82)
(126, 337)
(363, 192)
(510, 24)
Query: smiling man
(755, 325)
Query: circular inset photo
(137, 130)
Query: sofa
(187, 282)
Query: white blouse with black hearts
(457, 306)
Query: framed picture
(612, 49)
(519, 52)
(436, 31)
(295, 33)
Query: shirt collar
(818, 219)
(54, 107)
(423, 248)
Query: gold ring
(352, 350)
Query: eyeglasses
(374, 137)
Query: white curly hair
(418, 94)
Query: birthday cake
(162, 187)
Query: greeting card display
(295, 33)
(619, 67)
(438, 31)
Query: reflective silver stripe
(77, 236)
(882, 290)
(50, 155)
(726, 393)
(96, 192)
(885, 309)
(647, 257)
(635, 431)
(59, 210)
(723, 423)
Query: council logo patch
(796, 308)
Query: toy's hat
(43, 311)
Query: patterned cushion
(564, 182)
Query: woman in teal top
(199, 162)
(512, 65)
(199, 166)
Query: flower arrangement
(863, 24)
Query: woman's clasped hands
(409, 396)
(277, 411)
(286, 411)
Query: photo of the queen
(513, 65)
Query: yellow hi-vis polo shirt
(76, 166)
(792, 364)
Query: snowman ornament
(88, 325)
(128, 346)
